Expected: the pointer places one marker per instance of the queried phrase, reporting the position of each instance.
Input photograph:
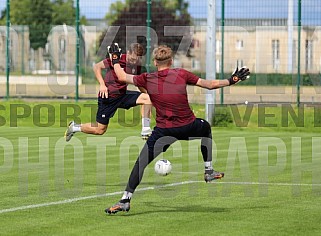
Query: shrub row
(275, 79)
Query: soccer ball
(163, 167)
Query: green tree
(134, 13)
(63, 12)
(114, 11)
(37, 14)
(3, 17)
(178, 6)
(40, 16)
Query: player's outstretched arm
(115, 53)
(122, 76)
(212, 84)
(237, 76)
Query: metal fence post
(222, 52)
(7, 49)
(210, 54)
(290, 36)
(299, 54)
(148, 39)
(77, 50)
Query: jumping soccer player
(174, 117)
(113, 94)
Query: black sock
(209, 171)
(124, 200)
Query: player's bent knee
(144, 99)
(206, 127)
(100, 131)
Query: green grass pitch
(272, 183)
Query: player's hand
(239, 75)
(103, 91)
(114, 53)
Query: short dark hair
(136, 48)
(163, 55)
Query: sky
(197, 8)
(98, 8)
(311, 9)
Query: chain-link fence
(48, 47)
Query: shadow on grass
(123, 184)
(160, 208)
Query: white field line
(144, 189)
(90, 197)
(270, 184)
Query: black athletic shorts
(199, 128)
(108, 106)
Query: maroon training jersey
(167, 91)
(115, 87)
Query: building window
(275, 54)
(218, 47)
(2, 44)
(294, 54)
(195, 43)
(239, 44)
(62, 45)
(62, 50)
(196, 65)
(239, 63)
(31, 65)
(32, 59)
(62, 65)
(218, 64)
(47, 48)
(308, 54)
(47, 64)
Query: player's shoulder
(144, 75)
(123, 57)
(122, 61)
(180, 71)
(177, 69)
(107, 62)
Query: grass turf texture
(240, 204)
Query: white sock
(208, 165)
(145, 123)
(127, 195)
(76, 128)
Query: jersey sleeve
(190, 77)
(140, 80)
(122, 61)
(107, 63)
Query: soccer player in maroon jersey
(174, 118)
(113, 94)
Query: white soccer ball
(163, 167)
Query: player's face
(132, 58)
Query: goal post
(210, 58)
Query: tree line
(41, 15)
